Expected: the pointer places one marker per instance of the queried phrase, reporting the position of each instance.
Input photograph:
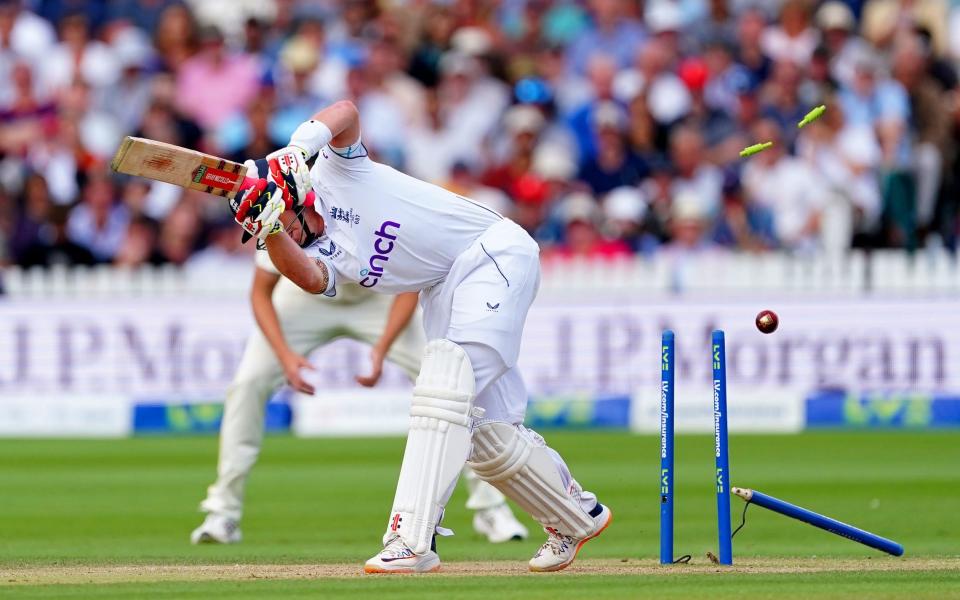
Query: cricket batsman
(477, 274)
(291, 324)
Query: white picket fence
(883, 273)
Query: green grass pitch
(97, 518)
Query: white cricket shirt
(392, 233)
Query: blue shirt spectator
(613, 33)
(883, 105)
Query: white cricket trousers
(482, 305)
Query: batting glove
(288, 169)
(257, 209)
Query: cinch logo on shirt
(382, 246)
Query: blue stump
(817, 520)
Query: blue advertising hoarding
(838, 409)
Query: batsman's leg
(515, 460)
(518, 462)
(437, 448)
(493, 517)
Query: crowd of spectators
(603, 127)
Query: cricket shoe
(397, 557)
(498, 524)
(216, 529)
(559, 550)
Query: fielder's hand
(377, 355)
(258, 209)
(292, 364)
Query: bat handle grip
(249, 182)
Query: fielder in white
(477, 274)
(291, 325)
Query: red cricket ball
(767, 321)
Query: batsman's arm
(337, 125)
(288, 168)
(343, 120)
(309, 274)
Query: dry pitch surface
(42, 575)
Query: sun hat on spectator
(687, 207)
(627, 85)
(472, 41)
(669, 101)
(299, 55)
(553, 163)
(100, 134)
(835, 15)
(608, 114)
(662, 17)
(132, 47)
(522, 118)
(667, 97)
(858, 146)
(578, 206)
(625, 203)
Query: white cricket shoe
(216, 529)
(498, 524)
(397, 557)
(559, 550)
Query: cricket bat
(184, 167)
(180, 166)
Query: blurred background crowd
(606, 128)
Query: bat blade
(180, 166)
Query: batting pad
(437, 445)
(520, 466)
